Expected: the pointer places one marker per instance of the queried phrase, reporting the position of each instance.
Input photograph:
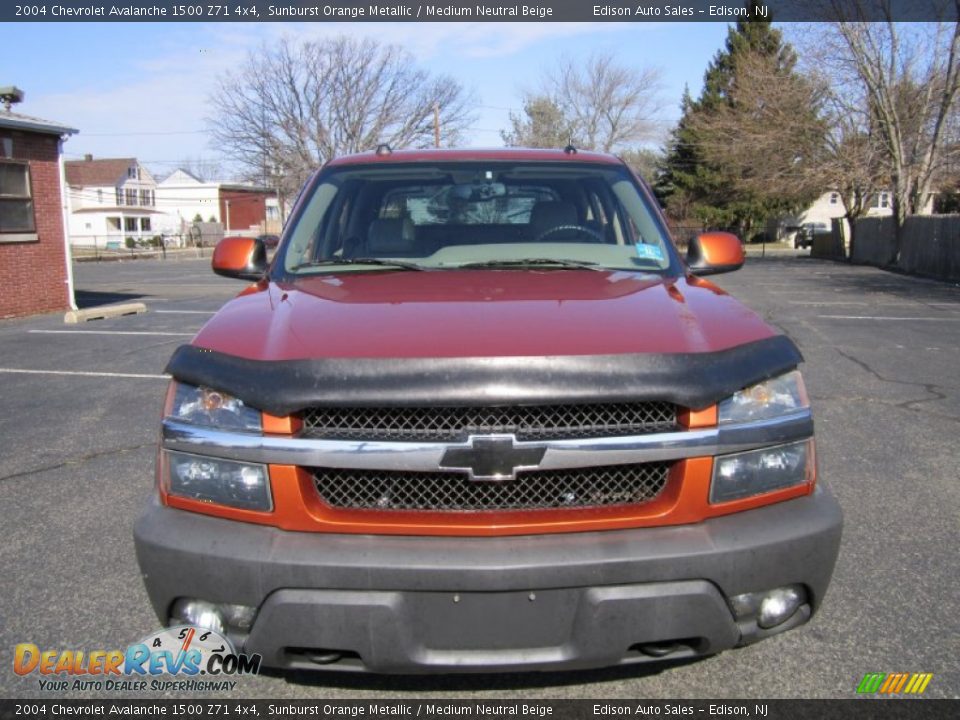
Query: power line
(148, 132)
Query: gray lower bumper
(421, 604)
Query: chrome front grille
(456, 424)
(531, 490)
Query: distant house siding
(33, 275)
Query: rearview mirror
(714, 252)
(243, 258)
(479, 191)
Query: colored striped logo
(894, 683)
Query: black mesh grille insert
(535, 489)
(535, 422)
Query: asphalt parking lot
(81, 406)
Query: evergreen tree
(690, 185)
(543, 125)
(676, 176)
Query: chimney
(88, 158)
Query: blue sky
(123, 84)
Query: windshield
(464, 215)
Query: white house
(829, 207)
(182, 198)
(240, 208)
(109, 201)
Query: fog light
(212, 616)
(769, 608)
(745, 606)
(238, 616)
(779, 605)
(200, 613)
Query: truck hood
(479, 314)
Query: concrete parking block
(72, 317)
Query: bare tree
(907, 77)
(293, 106)
(854, 162)
(203, 168)
(597, 104)
(644, 161)
(768, 134)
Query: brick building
(35, 274)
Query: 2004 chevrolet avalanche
(477, 414)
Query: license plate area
(492, 621)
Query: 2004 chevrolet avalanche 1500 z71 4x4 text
(477, 414)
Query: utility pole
(436, 124)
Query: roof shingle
(109, 171)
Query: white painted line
(837, 302)
(109, 332)
(915, 304)
(83, 373)
(881, 317)
(195, 312)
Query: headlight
(769, 399)
(761, 471)
(240, 485)
(212, 408)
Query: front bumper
(449, 604)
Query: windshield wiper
(359, 261)
(534, 262)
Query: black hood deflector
(694, 380)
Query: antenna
(384, 149)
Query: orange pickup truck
(478, 414)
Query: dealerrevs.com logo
(894, 683)
(185, 653)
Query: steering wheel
(582, 229)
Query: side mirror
(714, 252)
(240, 257)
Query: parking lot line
(889, 317)
(21, 371)
(186, 312)
(109, 332)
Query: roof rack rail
(384, 149)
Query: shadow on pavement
(91, 298)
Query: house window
(16, 203)
(834, 198)
(146, 198)
(131, 197)
(99, 197)
(133, 172)
(884, 200)
(145, 224)
(113, 223)
(130, 224)
(119, 196)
